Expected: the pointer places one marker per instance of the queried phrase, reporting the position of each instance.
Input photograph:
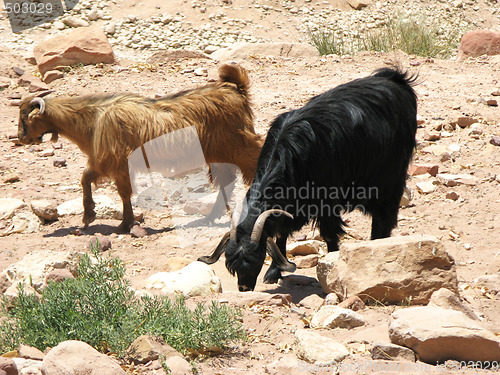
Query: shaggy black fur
(347, 148)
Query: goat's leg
(88, 177)
(330, 228)
(223, 176)
(125, 191)
(273, 274)
(384, 220)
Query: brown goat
(108, 128)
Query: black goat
(347, 148)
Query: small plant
(99, 307)
(412, 35)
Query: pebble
(59, 162)
(495, 140)
(138, 232)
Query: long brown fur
(109, 128)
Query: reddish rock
(492, 102)
(480, 42)
(59, 275)
(495, 140)
(52, 75)
(86, 45)
(353, 303)
(419, 169)
(32, 83)
(138, 231)
(8, 366)
(102, 242)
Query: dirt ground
(469, 226)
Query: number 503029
(28, 8)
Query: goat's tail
(397, 75)
(235, 74)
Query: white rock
(392, 352)
(8, 206)
(75, 22)
(45, 209)
(304, 247)
(34, 267)
(448, 300)
(457, 179)
(244, 50)
(438, 334)
(426, 187)
(332, 316)
(76, 357)
(196, 279)
(105, 208)
(202, 206)
(23, 222)
(315, 348)
(394, 269)
(491, 282)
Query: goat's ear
(281, 261)
(34, 113)
(217, 252)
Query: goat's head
(33, 123)
(245, 246)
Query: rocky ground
(458, 120)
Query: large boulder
(86, 45)
(480, 42)
(438, 334)
(392, 270)
(281, 49)
(34, 268)
(76, 357)
(196, 279)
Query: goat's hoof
(88, 218)
(272, 276)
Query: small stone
(52, 75)
(75, 22)
(93, 15)
(58, 25)
(103, 243)
(426, 187)
(47, 153)
(432, 135)
(312, 347)
(331, 299)
(178, 365)
(353, 303)
(59, 162)
(336, 317)
(10, 178)
(138, 231)
(406, 197)
(19, 71)
(392, 352)
(203, 72)
(307, 247)
(45, 209)
(306, 261)
(419, 169)
(58, 275)
(452, 195)
(8, 366)
(110, 28)
(465, 122)
(495, 140)
(492, 102)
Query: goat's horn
(40, 102)
(261, 220)
(235, 218)
(217, 252)
(277, 256)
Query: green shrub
(99, 308)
